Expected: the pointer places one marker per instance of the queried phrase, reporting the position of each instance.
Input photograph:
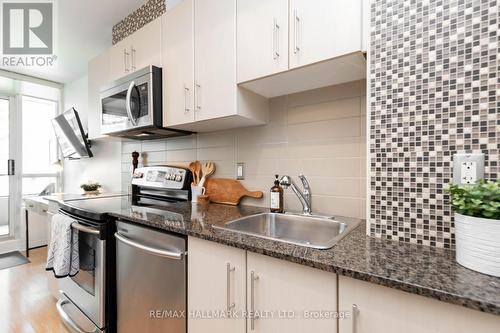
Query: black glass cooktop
(96, 208)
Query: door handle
(296, 47)
(149, 249)
(127, 104)
(132, 57)
(253, 277)
(186, 97)
(74, 327)
(11, 167)
(197, 95)
(276, 29)
(125, 55)
(85, 229)
(229, 305)
(355, 310)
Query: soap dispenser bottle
(276, 194)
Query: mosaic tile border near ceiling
(139, 18)
(434, 91)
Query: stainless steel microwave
(132, 106)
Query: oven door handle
(67, 319)
(149, 249)
(127, 104)
(88, 230)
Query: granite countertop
(417, 269)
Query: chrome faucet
(304, 197)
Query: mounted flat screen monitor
(70, 135)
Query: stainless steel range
(124, 266)
(87, 300)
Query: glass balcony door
(7, 167)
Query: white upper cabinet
(141, 49)
(120, 63)
(323, 29)
(212, 100)
(262, 38)
(215, 58)
(177, 62)
(146, 46)
(275, 285)
(286, 47)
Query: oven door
(127, 105)
(86, 290)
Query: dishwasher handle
(149, 249)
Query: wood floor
(26, 305)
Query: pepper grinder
(135, 161)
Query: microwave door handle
(127, 104)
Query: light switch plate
(468, 168)
(240, 171)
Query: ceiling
(83, 31)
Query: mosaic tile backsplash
(434, 91)
(139, 18)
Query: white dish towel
(63, 258)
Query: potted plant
(477, 225)
(91, 188)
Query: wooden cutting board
(228, 191)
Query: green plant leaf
(479, 200)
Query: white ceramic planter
(478, 244)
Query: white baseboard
(37, 243)
(10, 245)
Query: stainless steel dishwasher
(151, 280)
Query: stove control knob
(178, 178)
(168, 176)
(137, 175)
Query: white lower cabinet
(378, 309)
(216, 282)
(284, 297)
(288, 297)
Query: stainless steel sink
(307, 230)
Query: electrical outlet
(240, 171)
(468, 172)
(468, 168)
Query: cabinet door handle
(253, 277)
(355, 310)
(132, 57)
(11, 167)
(197, 95)
(276, 29)
(186, 99)
(229, 269)
(296, 47)
(125, 55)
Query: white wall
(105, 166)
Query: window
(39, 145)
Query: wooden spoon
(207, 169)
(192, 168)
(197, 172)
